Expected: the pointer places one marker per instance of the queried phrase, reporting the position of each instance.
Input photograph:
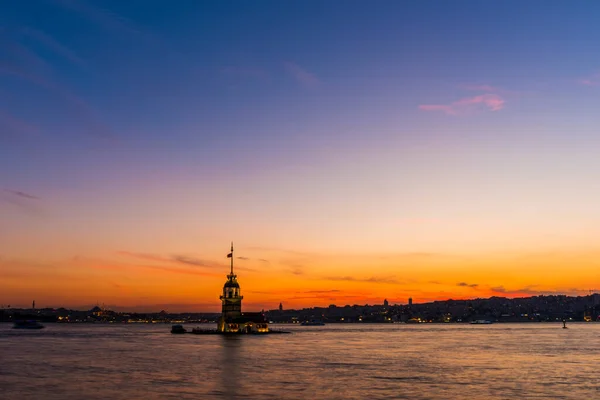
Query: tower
(231, 300)
(410, 301)
(280, 306)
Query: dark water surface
(396, 361)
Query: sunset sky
(352, 150)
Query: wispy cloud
(80, 109)
(527, 290)
(118, 25)
(105, 18)
(322, 291)
(373, 279)
(465, 284)
(178, 270)
(301, 75)
(530, 290)
(345, 297)
(192, 261)
(24, 202)
(143, 256)
(181, 259)
(592, 80)
(53, 45)
(485, 88)
(13, 125)
(26, 65)
(22, 194)
(108, 265)
(490, 101)
(491, 98)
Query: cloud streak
(465, 284)
(592, 80)
(373, 279)
(80, 109)
(25, 202)
(13, 125)
(181, 259)
(53, 45)
(301, 75)
(489, 101)
(490, 89)
(196, 262)
(22, 194)
(107, 19)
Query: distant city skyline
(353, 153)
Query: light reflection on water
(454, 361)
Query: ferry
(482, 322)
(178, 329)
(28, 325)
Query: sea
(335, 361)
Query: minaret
(231, 299)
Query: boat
(30, 324)
(482, 322)
(178, 329)
(312, 323)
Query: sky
(353, 151)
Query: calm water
(500, 361)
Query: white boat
(27, 325)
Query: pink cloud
(593, 80)
(492, 102)
(301, 75)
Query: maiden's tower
(232, 319)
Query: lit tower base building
(232, 319)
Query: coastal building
(232, 319)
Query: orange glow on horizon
(296, 279)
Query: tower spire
(230, 255)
